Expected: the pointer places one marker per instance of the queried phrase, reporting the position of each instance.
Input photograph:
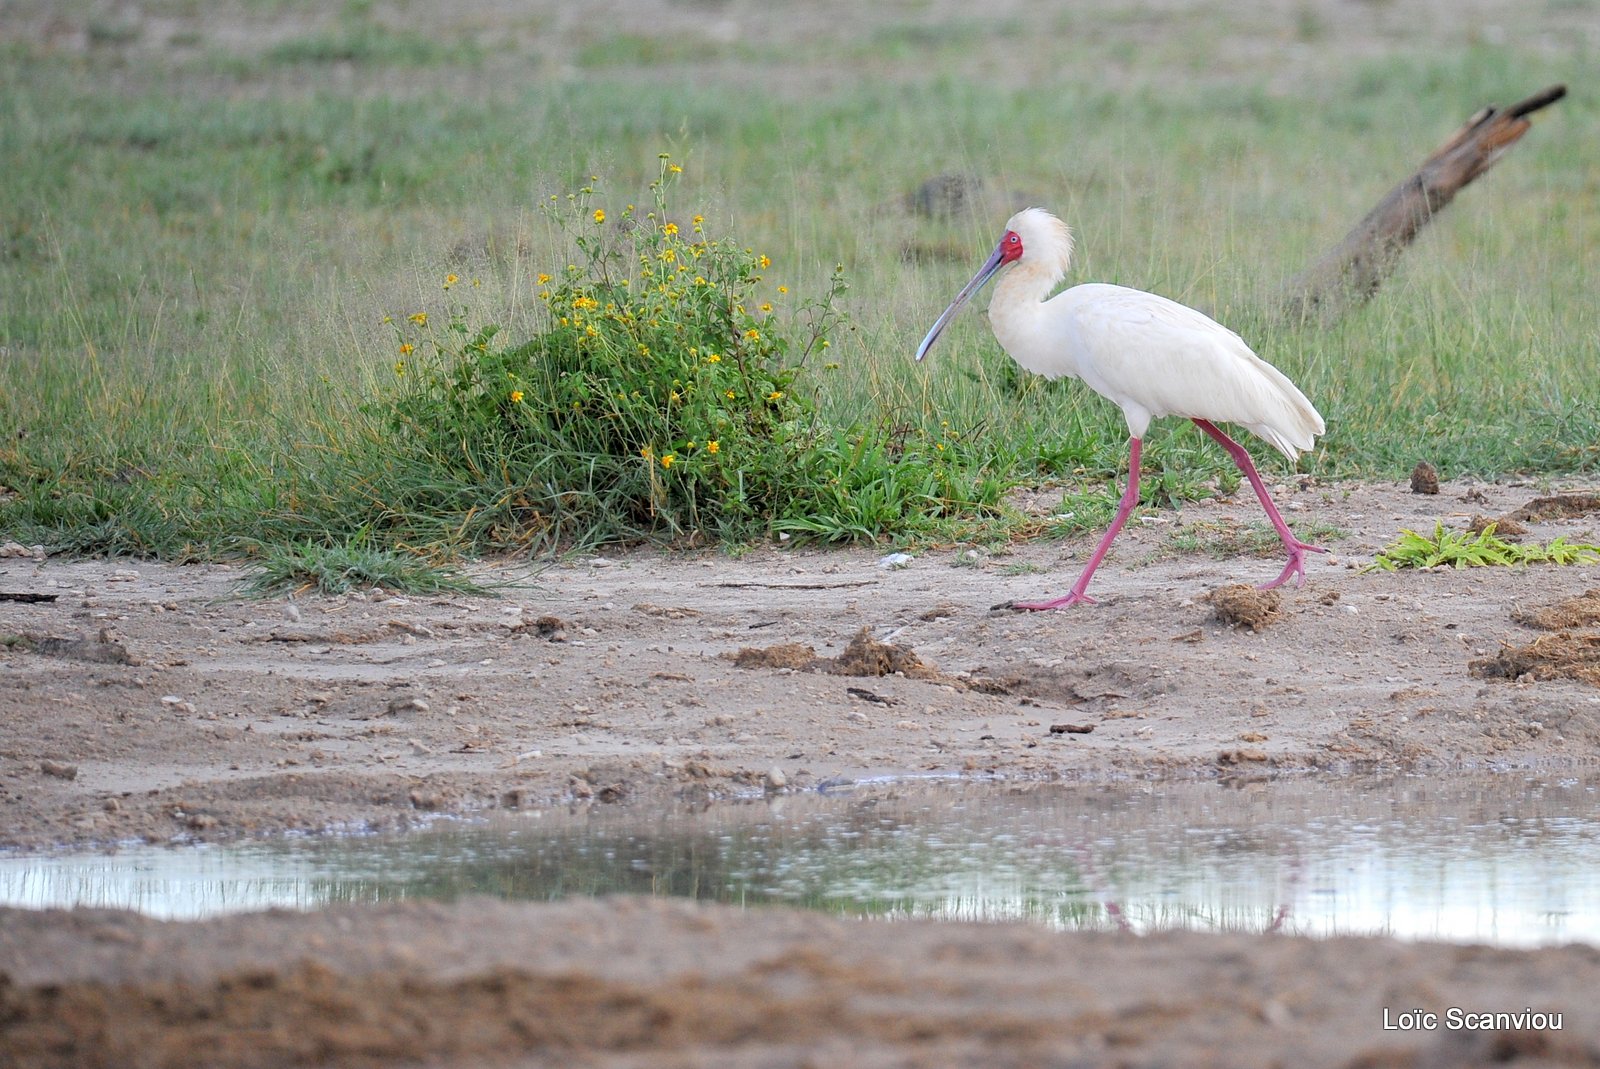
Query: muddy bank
(633, 982)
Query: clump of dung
(1504, 528)
(1243, 604)
(1558, 507)
(795, 655)
(865, 656)
(1424, 478)
(1581, 611)
(1559, 655)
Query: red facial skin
(1010, 247)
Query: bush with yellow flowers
(665, 394)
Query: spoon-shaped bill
(990, 266)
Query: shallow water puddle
(1500, 858)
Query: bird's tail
(1294, 424)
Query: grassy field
(210, 210)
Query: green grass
(1228, 539)
(200, 239)
(294, 568)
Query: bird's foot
(1074, 598)
(1296, 565)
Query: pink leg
(1297, 549)
(1130, 498)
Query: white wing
(1154, 357)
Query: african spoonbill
(1148, 355)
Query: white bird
(1148, 355)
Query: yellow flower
(675, 169)
(765, 261)
(405, 347)
(713, 358)
(451, 280)
(697, 221)
(543, 278)
(599, 215)
(670, 229)
(399, 367)
(775, 395)
(516, 397)
(591, 332)
(666, 461)
(645, 452)
(752, 334)
(713, 446)
(783, 289)
(728, 394)
(420, 319)
(766, 306)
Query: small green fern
(1467, 550)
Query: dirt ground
(154, 702)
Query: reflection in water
(1494, 858)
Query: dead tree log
(1357, 266)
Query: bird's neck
(1023, 289)
(1018, 315)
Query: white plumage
(1149, 355)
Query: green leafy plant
(663, 395)
(1468, 550)
(668, 393)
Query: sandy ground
(154, 702)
